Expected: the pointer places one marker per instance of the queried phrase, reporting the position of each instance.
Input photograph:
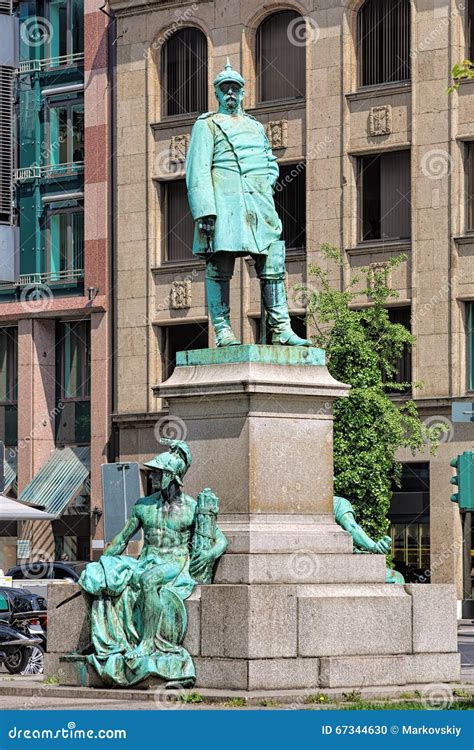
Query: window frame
(12, 367)
(86, 362)
(71, 269)
(164, 68)
(290, 165)
(360, 198)
(260, 101)
(165, 202)
(359, 52)
(71, 54)
(69, 104)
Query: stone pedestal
(291, 607)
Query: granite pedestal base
(291, 607)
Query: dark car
(26, 613)
(47, 569)
(22, 601)
(18, 646)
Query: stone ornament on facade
(180, 295)
(378, 268)
(277, 133)
(178, 147)
(380, 120)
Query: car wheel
(36, 661)
(16, 662)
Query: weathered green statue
(230, 174)
(138, 613)
(345, 517)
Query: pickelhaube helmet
(228, 74)
(177, 460)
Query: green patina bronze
(138, 615)
(345, 517)
(231, 173)
(271, 355)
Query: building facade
(376, 158)
(55, 335)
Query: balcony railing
(52, 277)
(64, 61)
(34, 172)
(41, 280)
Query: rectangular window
(65, 243)
(383, 42)
(469, 186)
(409, 515)
(73, 378)
(290, 203)
(385, 196)
(9, 385)
(66, 38)
(470, 346)
(66, 133)
(180, 338)
(179, 221)
(402, 316)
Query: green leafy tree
(362, 347)
(462, 71)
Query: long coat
(230, 174)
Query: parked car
(25, 613)
(51, 570)
(17, 645)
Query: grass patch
(267, 702)
(191, 698)
(51, 680)
(233, 702)
(319, 698)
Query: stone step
(300, 566)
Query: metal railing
(64, 61)
(51, 277)
(6, 6)
(34, 172)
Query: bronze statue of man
(230, 174)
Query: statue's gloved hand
(382, 547)
(207, 225)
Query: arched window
(281, 57)
(383, 42)
(184, 67)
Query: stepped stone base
(279, 637)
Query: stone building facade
(383, 153)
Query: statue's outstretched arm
(361, 539)
(119, 543)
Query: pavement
(30, 693)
